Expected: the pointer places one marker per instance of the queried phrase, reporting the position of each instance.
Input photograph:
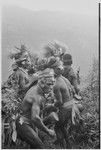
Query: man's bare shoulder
(60, 83)
(31, 93)
(72, 72)
(19, 72)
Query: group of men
(59, 80)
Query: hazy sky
(88, 7)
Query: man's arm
(37, 120)
(58, 96)
(22, 82)
(75, 84)
(74, 81)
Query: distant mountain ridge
(34, 28)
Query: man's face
(26, 63)
(58, 70)
(48, 85)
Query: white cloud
(76, 6)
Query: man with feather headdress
(21, 67)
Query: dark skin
(24, 82)
(64, 101)
(71, 77)
(62, 95)
(32, 106)
(61, 89)
(21, 79)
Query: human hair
(19, 63)
(68, 63)
(58, 71)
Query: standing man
(24, 82)
(69, 72)
(64, 102)
(62, 95)
(19, 80)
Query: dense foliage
(82, 135)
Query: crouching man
(31, 109)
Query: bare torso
(61, 90)
(32, 99)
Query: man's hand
(34, 78)
(75, 113)
(51, 133)
(49, 108)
